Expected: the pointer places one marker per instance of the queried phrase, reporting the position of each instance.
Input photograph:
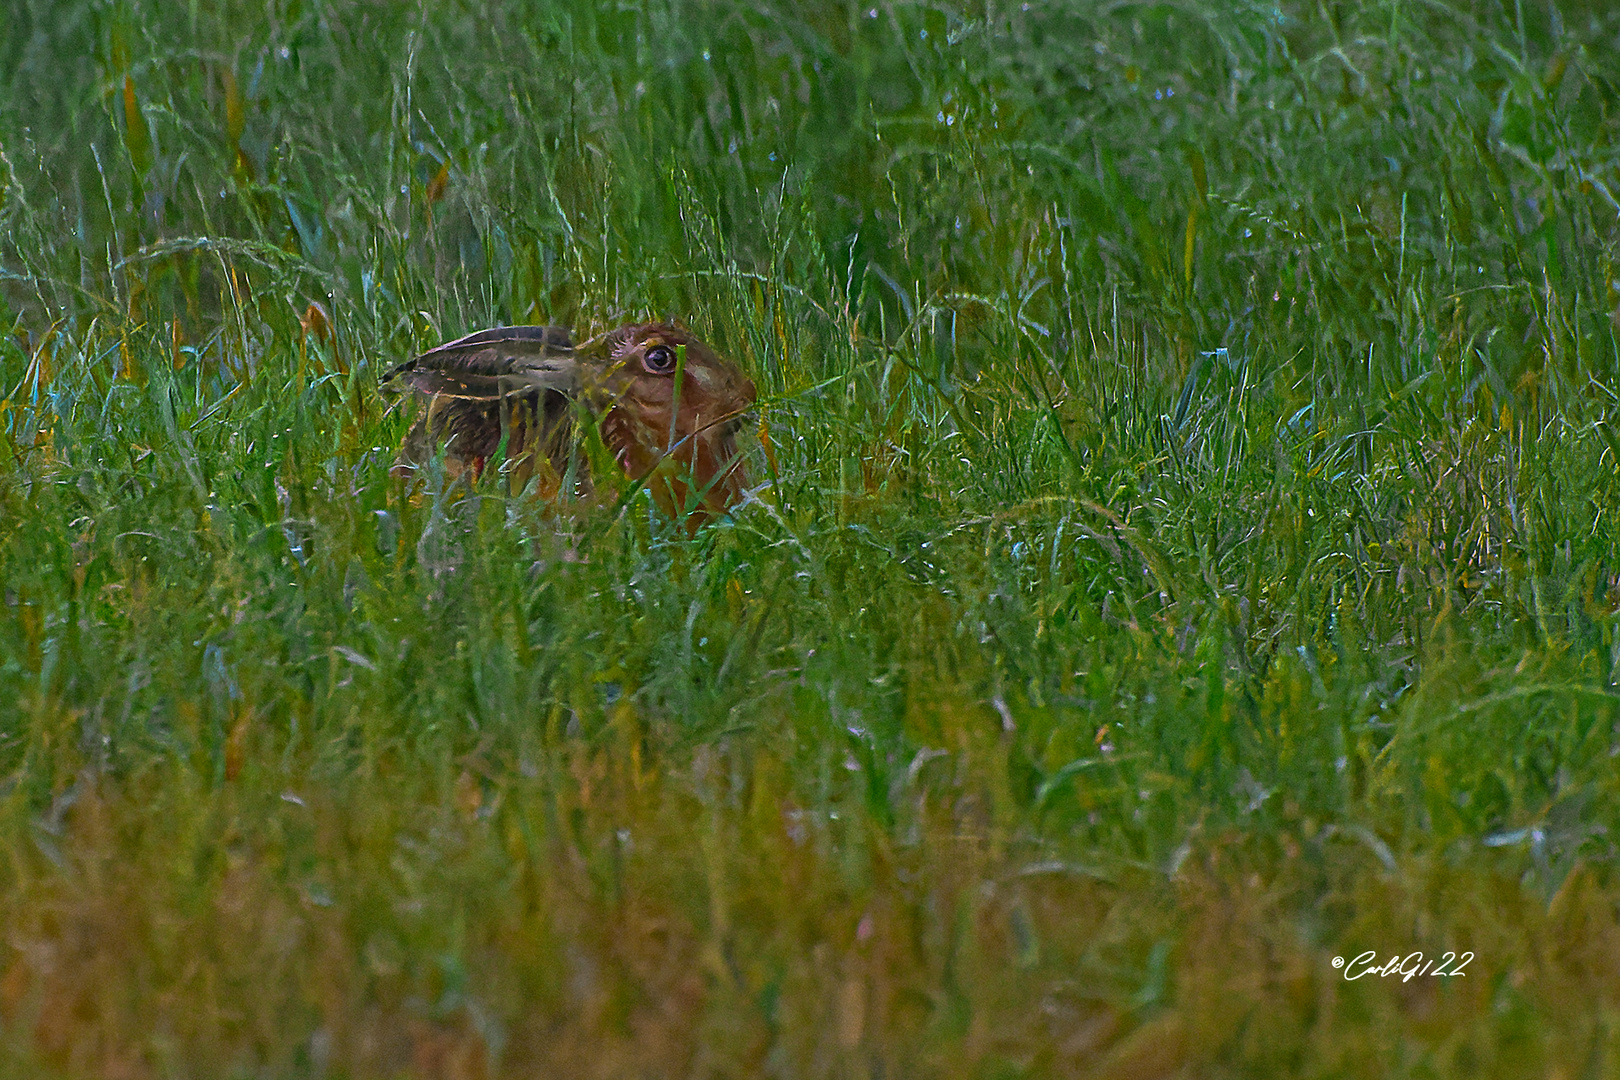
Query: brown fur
(681, 442)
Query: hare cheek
(652, 414)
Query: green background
(1182, 551)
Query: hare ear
(492, 352)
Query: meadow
(1182, 551)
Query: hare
(668, 407)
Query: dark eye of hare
(660, 360)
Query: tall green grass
(1181, 552)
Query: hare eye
(659, 360)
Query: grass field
(1183, 547)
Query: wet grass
(1182, 548)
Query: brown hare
(667, 405)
